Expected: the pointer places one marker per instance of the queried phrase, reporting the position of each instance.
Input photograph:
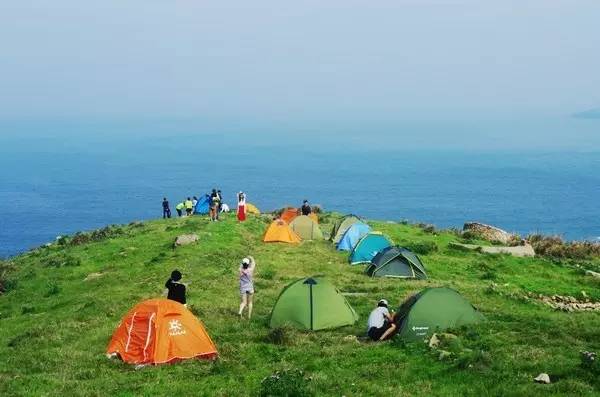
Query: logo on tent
(175, 328)
(420, 328)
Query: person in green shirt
(189, 206)
(179, 208)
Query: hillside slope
(63, 303)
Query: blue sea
(70, 178)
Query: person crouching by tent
(189, 206)
(241, 207)
(247, 285)
(305, 209)
(175, 288)
(381, 324)
(179, 208)
(166, 208)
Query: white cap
(383, 301)
(246, 261)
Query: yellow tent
(279, 231)
(251, 209)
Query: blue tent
(352, 236)
(203, 205)
(368, 247)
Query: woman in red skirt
(241, 207)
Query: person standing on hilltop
(241, 207)
(214, 205)
(179, 208)
(189, 206)
(306, 209)
(220, 207)
(194, 203)
(166, 208)
(247, 285)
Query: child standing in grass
(247, 285)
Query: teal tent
(368, 247)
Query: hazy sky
(298, 60)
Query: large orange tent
(159, 331)
(289, 214)
(279, 231)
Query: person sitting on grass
(247, 285)
(175, 288)
(381, 324)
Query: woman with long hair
(241, 207)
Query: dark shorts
(376, 333)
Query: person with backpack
(381, 323)
(175, 288)
(166, 208)
(246, 273)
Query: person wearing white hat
(247, 284)
(381, 323)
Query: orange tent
(279, 231)
(314, 217)
(289, 214)
(159, 331)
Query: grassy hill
(64, 301)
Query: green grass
(54, 326)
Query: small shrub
(288, 383)
(317, 209)
(426, 227)
(590, 362)
(62, 260)
(404, 222)
(268, 274)
(52, 289)
(477, 359)
(278, 336)
(6, 282)
(26, 309)
(555, 248)
(423, 247)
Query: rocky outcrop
(520, 250)
(569, 303)
(488, 232)
(185, 239)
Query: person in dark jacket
(175, 288)
(306, 210)
(166, 208)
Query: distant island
(588, 114)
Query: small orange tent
(279, 231)
(159, 331)
(314, 217)
(289, 214)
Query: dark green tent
(312, 303)
(434, 310)
(341, 226)
(396, 262)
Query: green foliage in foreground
(55, 324)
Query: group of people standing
(188, 206)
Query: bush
(554, 247)
(268, 274)
(278, 336)
(590, 362)
(52, 289)
(62, 260)
(96, 235)
(423, 247)
(6, 283)
(288, 383)
(426, 227)
(25, 309)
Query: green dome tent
(306, 228)
(340, 227)
(396, 262)
(367, 247)
(434, 310)
(312, 303)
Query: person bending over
(381, 324)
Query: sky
(338, 63)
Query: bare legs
(246, 301)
